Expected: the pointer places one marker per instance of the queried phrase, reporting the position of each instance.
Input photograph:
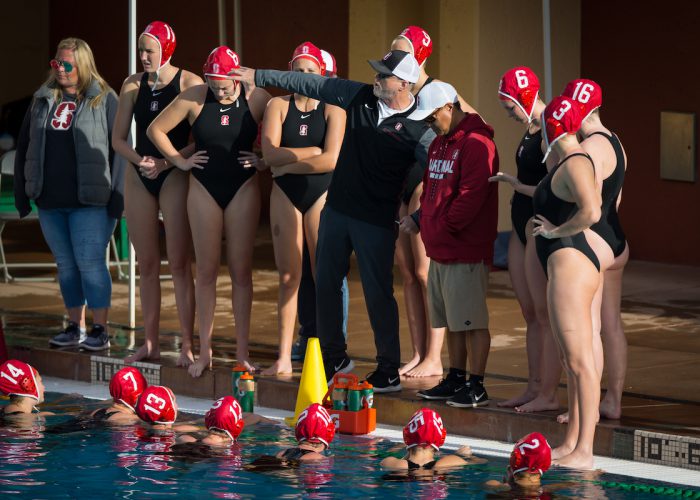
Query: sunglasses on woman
(55, 64)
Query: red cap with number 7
(586, 93)
(560, 118)
(127, 385)
(157, 405)
(522, 86)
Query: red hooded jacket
(459, 206)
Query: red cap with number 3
(127, 385)
(586, 93)
(420, 42)
(560, 118)
(521, 86)
(157, 405)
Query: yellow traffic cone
(313, 386)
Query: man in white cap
(381, 143)
(458, 222)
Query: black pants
(338, 236)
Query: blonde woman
(66, 164)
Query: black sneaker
(475, 395)
(384, 382)
(299, 348)
(447, 388)
(97, 339)
(71, 336)
(339, 365)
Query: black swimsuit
(425, 466)
(223, 130)
(558, 211)
(415, 174)
(102, 415)
(149, 103)
(295, 453)
(609, 227)
(302, 130)
(531, 171)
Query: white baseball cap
(431, 97)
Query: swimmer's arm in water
(325, 162)
(331, 90)
(497, 485)
(122, 418)
(462, 456)
(271, 137)
(252, 419)
(187, 427)
(186, 438)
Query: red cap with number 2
(521, 86)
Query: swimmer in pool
(23, 384)
(125, 388)
(530, 459)
(157, 406)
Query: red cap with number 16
(586, 93)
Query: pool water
(56, 459)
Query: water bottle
(367, 395)
(354, 397)
(246, 392)
(340, 397)
(236, 373)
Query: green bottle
(354, 398)
(246, 392)
(367, 392)
(340, 397)
(236, 373)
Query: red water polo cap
(531, 453)
(560, 118)
(586, 93)
(315, 425)
(17, 378)
(127, 385)
(420, 41)
(425, 429)
(220, 63)
(521, 86)
(308, 50)
(157, 405)
(225, 415)
(164, 35)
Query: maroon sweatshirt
(459, 206)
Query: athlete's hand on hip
(408, 225)
(542, 227)
(197, 160)
(248, 159)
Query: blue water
(131, 462)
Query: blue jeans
(78, 239)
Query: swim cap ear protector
(164, 36)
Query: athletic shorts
(457, 296)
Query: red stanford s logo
(224, 119)
(63, 116)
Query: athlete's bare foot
(564, 418)
(610, 408)
(525, 397)
(281, 367)
(575, 460)
(426, 368)
(245, 363)
(197, 368)
(538, 404)
(146, 352)
(410, 365)
(186, 357)
(561, 451)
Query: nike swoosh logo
(392, 380)
(337, 368)
(480, 396)
(368, 107)
(305, 116)
(226, 109)
(157, 93)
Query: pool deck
(661, 314)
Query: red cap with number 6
(420, 42)
(586, 93)
(127, 385)
(560, 118)
(157, 405)
(531, 453)
(521, 86)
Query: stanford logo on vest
(154, 105)
(63, 116)
(398, 126)
(224, 119)
(303, 130)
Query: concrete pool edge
(674, 475)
